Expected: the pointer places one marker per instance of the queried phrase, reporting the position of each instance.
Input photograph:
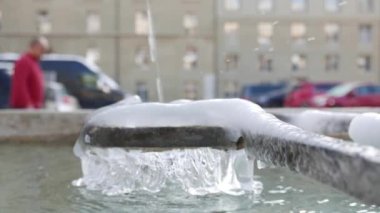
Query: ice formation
(323, 122)
(365, 129)
(200, 171)
(197, 171)
(235, 115)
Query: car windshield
(324, 87)
(341, 90)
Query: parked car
(349, 95)
(57, 98)
(301, 95)
(255, 92)
(273, 98)
(83, 80)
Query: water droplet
(87, 139)
(323, 201)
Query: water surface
(37, 178)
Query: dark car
(255, 92)
(84, 81)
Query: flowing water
(38, 178)
(153, 52)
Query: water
(36, 178)
(153, 52)
(201, 171)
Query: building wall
(118, 42)
(282, 47)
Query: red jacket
(27, 89)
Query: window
(93, 22)
(191, 90)
(332, 62)
(190, 59)
(142, 91)
(232, 4)
(190, 22)
(265, 5)
(363, 90)
(298, 62)
(298, 32)
(265, 63)
(231, 28)
(231, 61)
(366, 6)
(332, 5)
(231, 31)
(365, 33)
(92, 55)
(231, 89)
(142, 57)
(265, 33)
(299, 5)
(332, 32)
(141, 23)
(364, 63)
(43, 22)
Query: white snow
(365, 129)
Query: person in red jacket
(27, 89)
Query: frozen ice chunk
(365, 129)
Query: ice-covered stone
(365, 129)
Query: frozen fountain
(210, 146)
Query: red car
(303, 93)
(349, 95)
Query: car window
(376, 90)
(340, 90)
(72, 67)
(323, 87)
(89, 81)
(363, 90)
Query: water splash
(153, 52)
(201, 171)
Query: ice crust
(235, 115)
(323, 122)
(197, 171)
(365, 129)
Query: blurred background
(294, 53)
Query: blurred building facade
(320, 40)
(205, 47)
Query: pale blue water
(36, 178)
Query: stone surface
(18, 126)
(349, 167)
(161, 137)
